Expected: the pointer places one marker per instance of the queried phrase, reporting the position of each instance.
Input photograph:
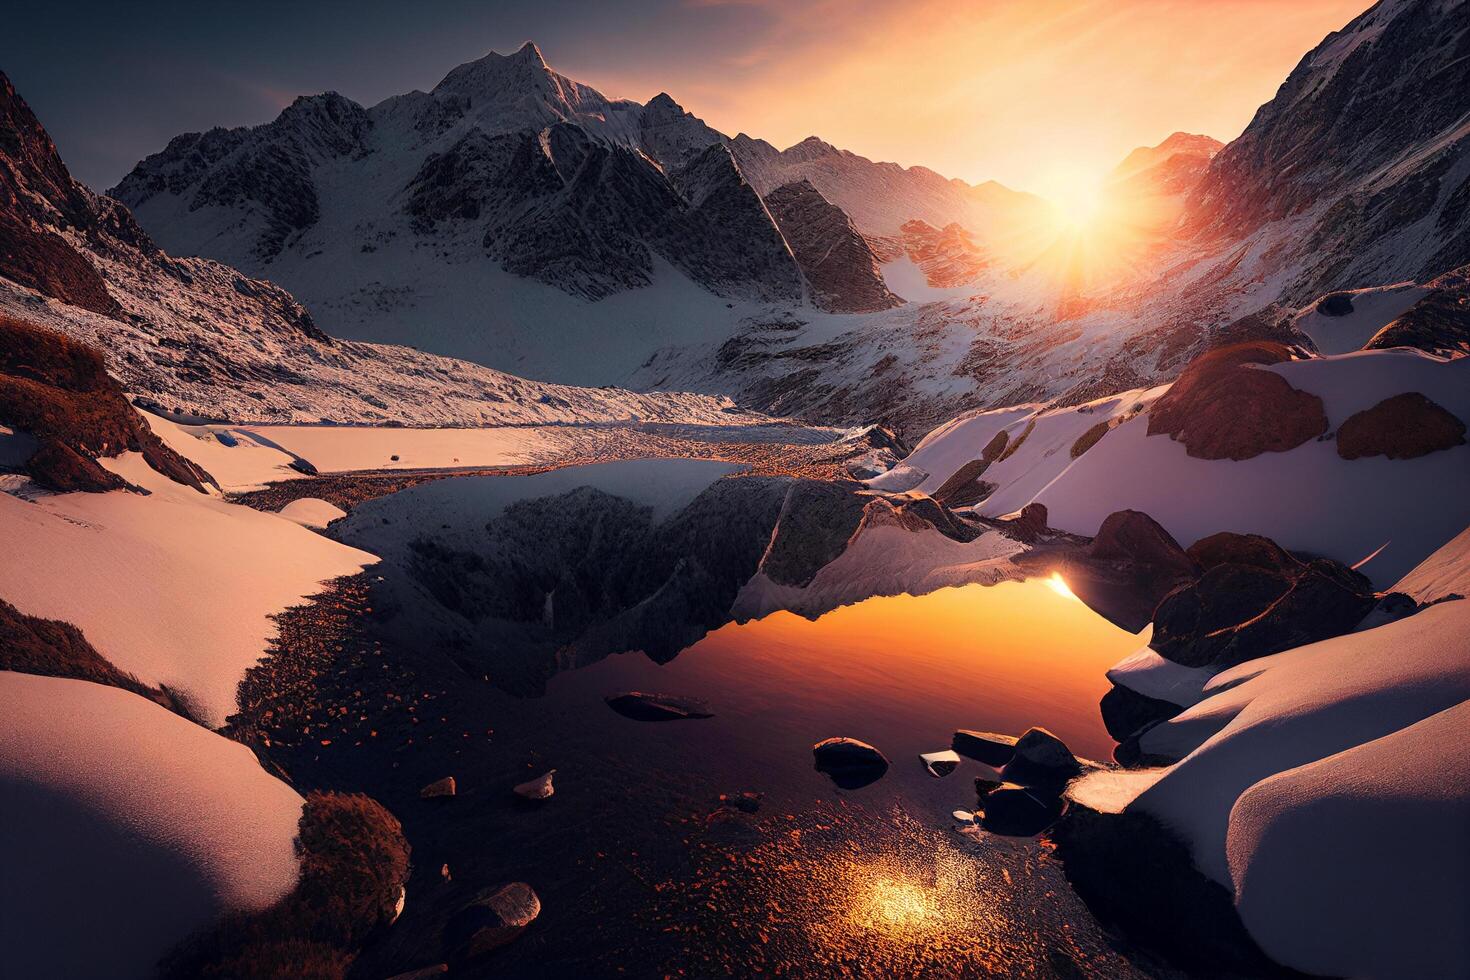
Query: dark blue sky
(114, 81)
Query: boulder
(438, 788)
(1256, 550)
(302, 466)
(540, 788)
(1187, 623)
(1032, 518)
(1125, 711)
(1129, 567)
(850, 762)
(495, 917)
(642, 706)
(940, 764)
(1018, 811)
(993, 749)
(1405, 426)
(984, 786)
(1223, 406)
(1041, 760)
(1327, 600)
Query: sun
(1077, 200)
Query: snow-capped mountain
(198, 337)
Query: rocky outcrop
(1405, 426)
(1128, 568)
(964, 488)
(838, 263)
(1225, 407)
(59, 391)
(1041, 760)
(948, 256)
(1438, 324)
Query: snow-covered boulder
(129, 822)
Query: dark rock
(1405, 426)
(1188, 622)
(988, 747)
(1227, 547)
(1033, 518)
(1335, 304)
(1129, 567)
(838, 262)
(226, 439)
(58, 467)
(641, 706)
(496, 917)
(964, 488)
(1223, 406)
(817, 519)
(1129, 752)
(439, 788)
(1090, 438)
(1391, 606)
(302, 466)
(940, 764)
(984, 786)
(1327, 600)
(1438, 324)
(1125, 711)
(851, 763)
(1041, 760)
(1017, 811)
(995, 447)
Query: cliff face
(838, 263)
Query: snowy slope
(131, 820)
(1308, 499)
(1370, 310)
(174, 587)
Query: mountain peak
(664, 102)
(530, 54)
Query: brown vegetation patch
(995, 447)
(354, 861)
(57, 389)
(1225, 407)
(1405, 426)
(52, 648)
(1090, 438)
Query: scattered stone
(539, 788)
(851, 763)
(988, 747)
(439, 787)
(1405, 426)
(940, 764)
(746, 802)
(641, 706)
(393, 458)
(1018, 811)
(497, 916)
(1042, 760)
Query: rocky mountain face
(881, 197)
(837, 261)
(1358, 171)
(198, 337)
(505, 158)
(1153, 183)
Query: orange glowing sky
(1038, 95)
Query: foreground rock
(1018, 811)
(1041, 760)
(940, 764)
(496, 917)
(438, 788)
(540, 788)
(850, 762)
(993, 749)
(641, 706)
(1125, 711)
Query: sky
(1039, 94)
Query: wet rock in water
(1019, 811)
(539, 788)
(1125, 711)
(984, 786)
(993, 749)
(438, 788)
(1405, 426)
(494, 918)
(1129, 567)
(302, 466)
(851, 763)
(940, 763)
(1041, 760)
(642, 706)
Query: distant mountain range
(518, 218)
